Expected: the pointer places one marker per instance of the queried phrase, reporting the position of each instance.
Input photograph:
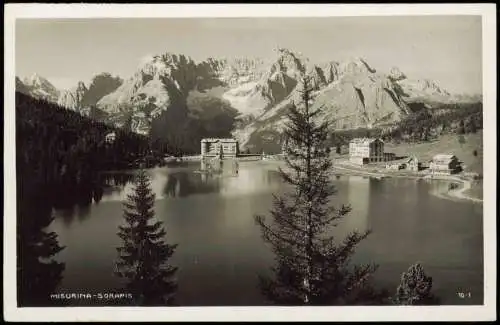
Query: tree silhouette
(311, 267)
(415, 288)
(461, 127)
(59, 154)
(38, 273)
(143, 258)
(472, 128)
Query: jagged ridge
(352, 93)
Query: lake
(221, 253)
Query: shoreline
(341, 168)
(454, 194)
(457, 193)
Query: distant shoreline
(458, 193)
(455, 194)
(341, 167)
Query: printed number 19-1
(464, 295)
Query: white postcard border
(348, 313)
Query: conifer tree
(312, 267)
(39, 274)
(144, 256)
(415, 288)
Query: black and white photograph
(178, 158)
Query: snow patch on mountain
(246, 99)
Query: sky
(446, 49)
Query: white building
(412, 164)
(364, 150)
(213, 147)
(444, 164)
(110, 137)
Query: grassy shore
(466, 191)
(470, 152)
(449, 143)
(446, 144)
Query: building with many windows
(365, 150)
(216, 147)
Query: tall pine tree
(143, 258)
(312, 268)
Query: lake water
(221, 252)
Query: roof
(411, 158)
(365, 140)
(443, 157)
(219, 139)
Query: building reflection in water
(171, 186)
(359, 199)
(249, 180)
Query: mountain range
(170, 90)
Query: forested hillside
(59, 154)
(422, 125)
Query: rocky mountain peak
(165, 64)
(352, 92)
(81, 86)
(73, 98)
(39, 87)
(234, 71)
(423, 88)
(289, 62)
(21, 87)
(35, 80)
(395, 74)
(355, 65)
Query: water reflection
(82, 212)
(220, 252)
(172, 185)
(97, 194)
(359, 198)
(183, 184)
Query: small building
(110, 137)
(365, 150)
(217, 147)
(412, 164)
(445, 164)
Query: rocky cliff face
(72, 99)
(238, 71)
(101, 85)
(162, 82)
(38, 87)
(418, 90)
(21, 87)
(79, 98)
(352, 93)
(156, 81)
